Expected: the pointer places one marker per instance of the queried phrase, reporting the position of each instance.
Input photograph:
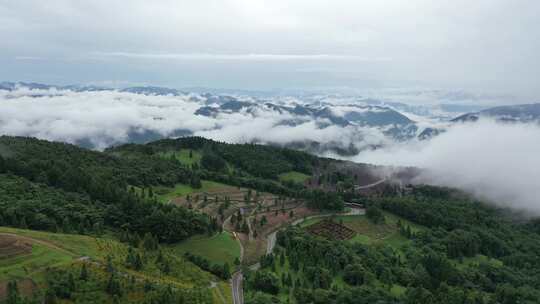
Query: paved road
(271, 242)
(237, 291)
(370, 185)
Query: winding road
(370, 185)
(236, 281)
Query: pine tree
(12, 293)
(137, 261)
(84, 273)
(159, 258)
(130, 258)
(109, 265)
(165, 266)
(149, 242)
(71, 282)
(226, 271)
(2, 165)
(148, 285)
(113, 286)
(50, 296)
(23, 224)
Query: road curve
(236, 281)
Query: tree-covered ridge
(256, 160)
(465, 227)
(466, 252)
(65, 165)
(103, 179)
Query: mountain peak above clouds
(319, 123)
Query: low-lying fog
(497, 161)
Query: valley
(196, 220)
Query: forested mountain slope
(127, 212)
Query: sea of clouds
(496, 161)
(107, 118)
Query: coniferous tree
(84, 273)
(12, 293)
(109, 264)
(2, 164)
(50, 296)
(113, 286)
(226, 271)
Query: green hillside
(152, 224)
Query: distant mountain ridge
(355, 123)
(514, 113)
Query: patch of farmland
(331, 230)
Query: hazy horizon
(233, 44)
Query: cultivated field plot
(215, 196)
(11, 246)
(331, 230)
(282, 217)
(21, 257)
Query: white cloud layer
(111, 117)
(496, 161)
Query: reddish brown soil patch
(331, 230)
(281, 219)
(11, 246)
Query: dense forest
(56, 173)
(431, 266)
(256, 160)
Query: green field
(219, 248)
(55, 249)
(183, 156)
(77, 245)
(61, 253)
(38, 260)
(369, 233)
(293, 176)
(166, 194)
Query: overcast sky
(251, 44)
